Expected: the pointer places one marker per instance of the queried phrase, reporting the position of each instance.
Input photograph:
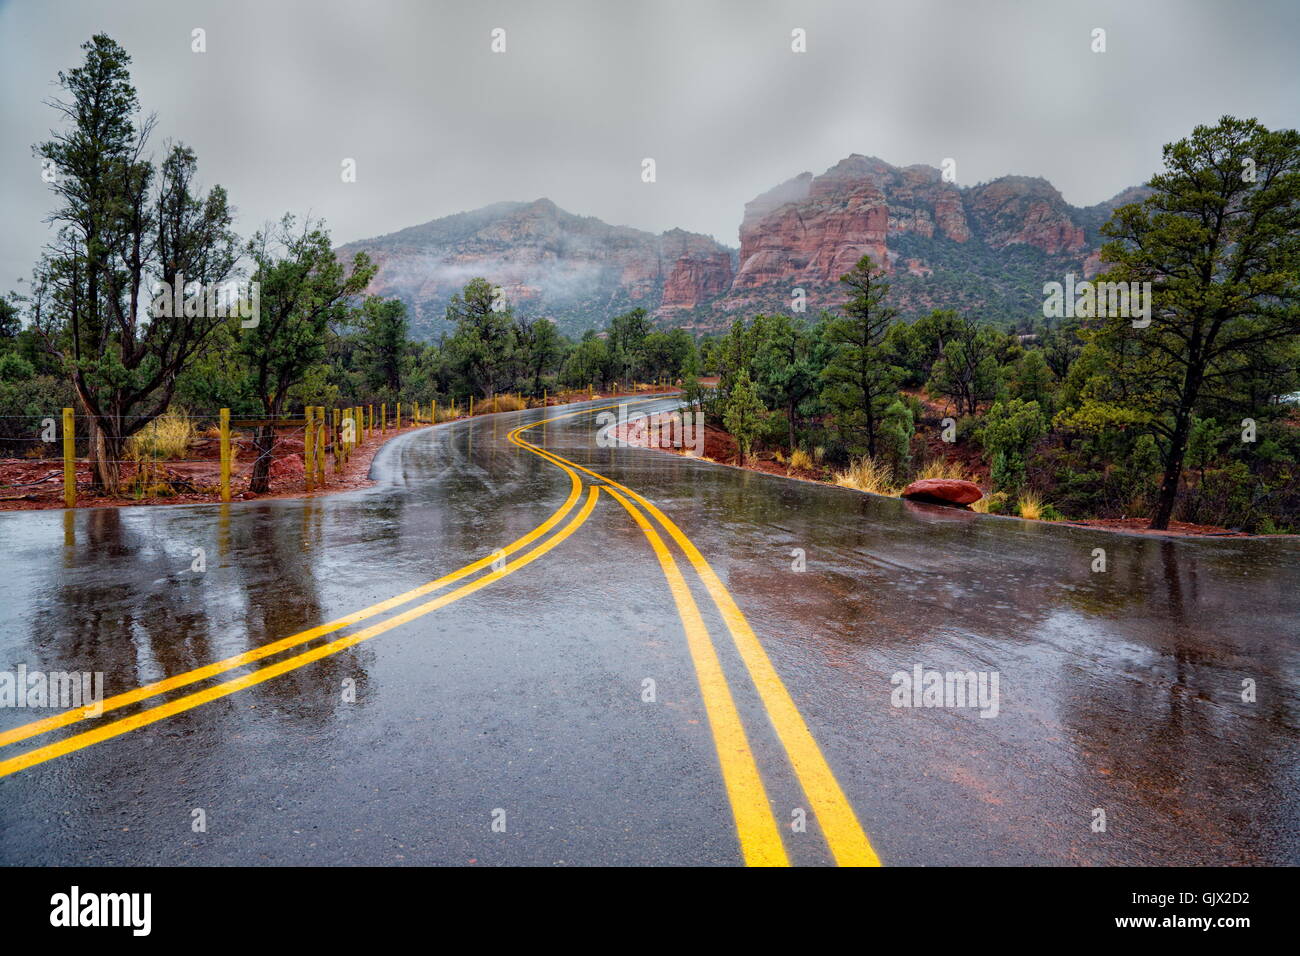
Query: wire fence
(210, 454)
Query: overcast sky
(438, 124)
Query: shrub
(869, 475)
(800, 460)
(1031, 506)
(943, 468)
(1010, 431)
(167, 437)
(499, 403)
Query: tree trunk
(1173, 472)
(92, 453)
(790, 419)
(264, 442)
(107, 453)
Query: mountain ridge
(984, 249)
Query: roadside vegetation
(1192, 417)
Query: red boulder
(944, 491)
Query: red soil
(37, 483)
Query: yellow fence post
(308, 446)
(69, 459)
(397, 422)
(433, 412)
(383, 418)
(471, 406)
(225, 454)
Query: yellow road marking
(190, 701)
(760, 841)
(844, 834)
(56, 721)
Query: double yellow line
(755, 824)
(179, 705)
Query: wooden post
(471, 406)
(69, 459)
(309, 446)
(225, 454)
(383, 418)
(433, 412)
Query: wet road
(621, 689)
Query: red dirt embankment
(33, 484)
(28, 484)
(721, 448)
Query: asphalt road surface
(522, 648)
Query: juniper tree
(1219, 240)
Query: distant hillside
(984, 249)
(575, 269)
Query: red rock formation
(945, 491)
(1020, 209)
(804, 233)
(809, 231)
(696, 268)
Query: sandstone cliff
(985, 249)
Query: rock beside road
(944, 491)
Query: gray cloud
(438, 124)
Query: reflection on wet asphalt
(1120, 691)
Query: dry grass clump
(500, 403)
(869, 475)
(800, 460)
(166, 438)
(1031, 506)
(943, 468)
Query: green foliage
(744, 414)
(1009, 432)
(859, 381)
(587, 364)
(967, 369)
(1221, 251)
(482, 349)
(383, 342)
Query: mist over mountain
(985, 249)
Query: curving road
(520, 648)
